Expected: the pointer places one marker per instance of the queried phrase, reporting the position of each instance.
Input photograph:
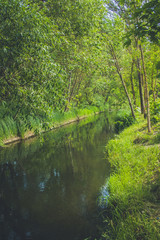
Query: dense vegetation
(60, 59)
(49, 62)
(70, 56)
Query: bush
(155, 111)
(123, 119)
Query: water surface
(49, 186)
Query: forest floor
(133, 210)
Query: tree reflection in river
(48, 188)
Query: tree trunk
(153, 84)
(132, 84)
(69, 90)
(145, 94)
(140, 82)
(146, 90)
(120, 75)
(72, 86)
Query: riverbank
(133, 210)
(13, 131)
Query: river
(49, 185)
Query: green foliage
(149, 15)
(75, 18)
(155, 111)
(28, 70)
(123, 119)
(48, 58)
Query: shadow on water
(49, 186)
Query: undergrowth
(133, 208)
(123, 119)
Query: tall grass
(134, 187)
(22, 124)
(8, 127)
(74, 113)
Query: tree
(113, 35)
(149, 20)
(127, 11)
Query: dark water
(49, 187)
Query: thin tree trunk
(153, 84)
(146, 90)
(69, 90)
(120, 75)
(140, 82)
(145, 94)
(132, 84)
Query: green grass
(74, 113)
(20, 126)
(133, 210)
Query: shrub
(155, 111)
(123, 119)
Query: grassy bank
(26, 126)
(133, 210)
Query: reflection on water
(49, 186)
